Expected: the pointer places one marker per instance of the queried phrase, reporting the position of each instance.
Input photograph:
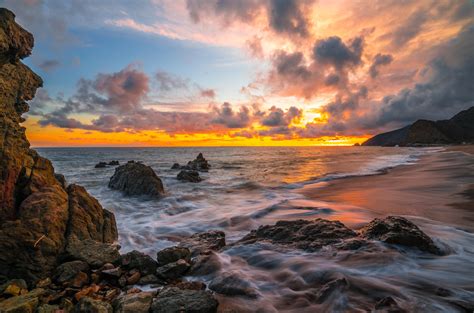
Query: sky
(243, 72)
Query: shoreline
(439, 186)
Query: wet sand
(440, 186)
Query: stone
(173, 270)
(308, 235)
(198, 164)
(67, 271)
(140, 261)
(400, 231)
(189, 176)
(191, 285)
(135, 179)
(173, 254)
(134, 278)
(134, 303)
(171, 300)
(150, 280)
(101, 165)
(388, 304)
(13, 287)
(176, 166)
(114, 163)
(90, 305)
(231, 284)
(43, 283)
(22, 304)
(200, 243)
(114, 273)
(61, 179)
(48, 308)
(80, 280)
(205, 264)
(94, 253)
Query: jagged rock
(205, 264)
(22, 304)
(67, 271)
(176, 166)
(400, 231)
(189, 176)
(114, 163)
(173, 270)
(173, 254)
(90, 305)
(198, 164)
(171, 300)
(140, 261)
(388, 304)
(136, 179)
(92, 252)
(35, 223)
(61, 179)
(199, 243)
(13, 287)
(134, 303)
(330, 288)
(302, 234)
(231, 284)
(101, 165)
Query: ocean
(252, 186)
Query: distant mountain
(458, 129)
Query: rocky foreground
(58, 249)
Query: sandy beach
(439, 187)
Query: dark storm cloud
(379, 60)
(227, 116)
(333, 51)
(284, 16)
(49, 65)
(345, 102)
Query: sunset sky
(243, 72)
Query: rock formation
(458, 129)
(189, 176)
(135, 179)
(198, 164)
(38, 215)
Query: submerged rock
(400, 231)
(114, 163)
(173, 270)
(302, 234)
(176, 166)
(101, 165)
(200, 243)
(184, 301)
(189, 176)
(136, 179)
(232, 285)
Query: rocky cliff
(458, 129)
(39, 215)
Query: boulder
(173, 254)
(171, 300)
(13, 287)
(173, 270)
(189, 176)
(61, 179)
(135, 179)
(205, 264)
(92, 252)
(67, 271)
(26, 303)
(114, 163)
(198, 164)
(231, 284)
(176, 166)
(140, 261)
(134, 303)
(199, 243)
(101, 165)
(308, 235)
(90, 305)
(400, 231)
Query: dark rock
(80, 280)
(400, 231)
(388, 304)
(67, 271)
(136, 179)
(101, 165)
(61, 179)
(26, 303)
(13, 287)
(171, 300)
(173, 254)
(190, 285)
(114, 163)
(173, 270)
(198, 164)
(199, 243)
(133, 278)
(176, 166)
(90, 305)
(330, 288)
(48, 308)
(134, 303)
(113, 273)
(302, 234)
(205, 264)
(92, 252)
(150, 280)
(231, 284)
(140, 261)
(189, 176)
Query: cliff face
(38, 214)
(458, 129)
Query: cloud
(230, 118)
(379, 60)
(277, 117)
(169, 82)
(333, 51)
(49, 65)
(409, 29)
(208, 93)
